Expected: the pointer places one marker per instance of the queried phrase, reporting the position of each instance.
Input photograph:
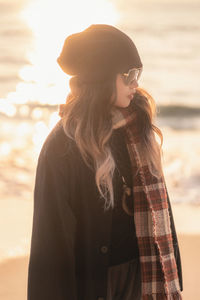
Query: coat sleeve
(51, 270)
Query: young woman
(103, 226)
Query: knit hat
(97, 53)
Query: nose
(134, 84)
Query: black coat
(71, 231)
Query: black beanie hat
(98, 53)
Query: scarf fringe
(174, 296)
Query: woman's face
(124, 93)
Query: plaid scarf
(159, 275)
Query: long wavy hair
(87, 119)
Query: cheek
(122, 99)
(120, 96)
(121, 93)
(120, 89)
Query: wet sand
(13, 279)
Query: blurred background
(32, 86)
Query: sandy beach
(14, 269)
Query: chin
(126, 104)
(123, 104)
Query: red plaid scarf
(159, 275)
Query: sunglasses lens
(133, 74)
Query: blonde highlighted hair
(87, 119)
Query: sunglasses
(132, 75)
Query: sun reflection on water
(42, 81)
(51, 22)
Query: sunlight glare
(42, 81)
(23, 129)
(41, 132)
(5, 149)
(53, 119)
(7, 108)
(51, 22)
(36, 113)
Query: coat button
(104, 250)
